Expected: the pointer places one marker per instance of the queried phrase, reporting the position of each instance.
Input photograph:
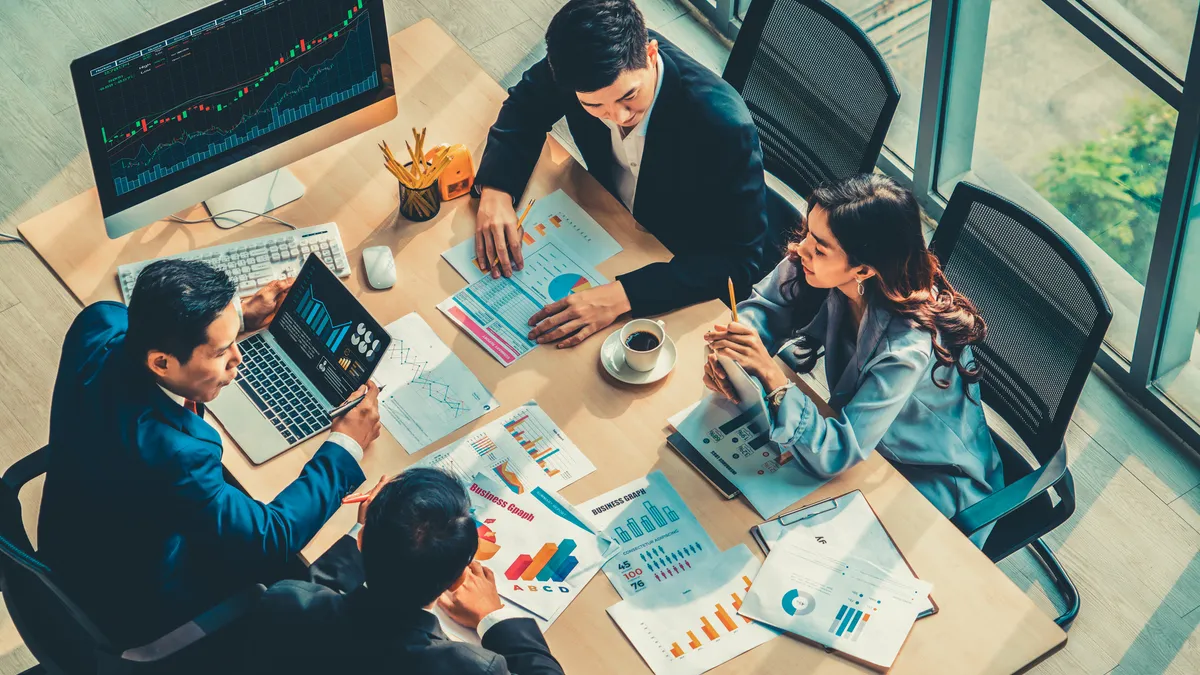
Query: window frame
(1166, 324)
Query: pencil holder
(419, 204)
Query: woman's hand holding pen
(742, 344)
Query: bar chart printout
(692, 626)
(560, 459)
(544, 557)
(660, 538)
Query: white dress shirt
(628, 150)
(337, 438)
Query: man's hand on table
(497, 240)
(579, 315)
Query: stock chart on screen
(223, 84)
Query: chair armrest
(1011, 497)
(27, 468)
(232, 609)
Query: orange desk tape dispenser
(459, 175)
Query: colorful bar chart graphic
(551, 563)
(708, 629)
(737, 600)
(639, 526)
(482, 444)
(556, 221)
(316, 316)
(544, 442)
(849, 622)
(541, 229)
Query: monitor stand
(260, 195)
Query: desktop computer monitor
(211, 105)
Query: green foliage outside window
(1111, 188)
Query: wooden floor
(1133, 546)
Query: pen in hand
(349, 405)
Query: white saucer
(612, 355)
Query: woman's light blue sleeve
(766, 310)
(829, 446)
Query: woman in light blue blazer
(859, 282)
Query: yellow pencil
(732, 299)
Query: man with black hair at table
(665, 135)
(137, 519)
(418, 543)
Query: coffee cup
(642, 340)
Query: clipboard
(752, 398)
(701, 464)
(828, 507)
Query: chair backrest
(1046, 314)
(53, 627)
(820, 93)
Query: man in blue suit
(137, 518)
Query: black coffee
(642, 341)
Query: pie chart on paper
(566, 284)
(798, 603)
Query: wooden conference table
(986, 624)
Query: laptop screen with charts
(327, 332)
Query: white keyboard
(254, 263)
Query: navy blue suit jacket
(137, 518)
(700, 190)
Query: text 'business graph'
(222, 85)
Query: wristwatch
(775, 398)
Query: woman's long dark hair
(878, 223)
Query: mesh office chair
(820, 93)
(1046, 319)
(58, 633)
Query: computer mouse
(380, 267)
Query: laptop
(321, 347)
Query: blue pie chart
(798, 603)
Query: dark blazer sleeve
(515, 141)
(729, 231)
(523, 647)
(244, 530)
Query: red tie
(193, 406)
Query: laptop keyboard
(278, 392)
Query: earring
(862, 290)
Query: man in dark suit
(418, 541)
(665, 135)
(137, 518)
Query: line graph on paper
(430, 391)
(434, 388)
